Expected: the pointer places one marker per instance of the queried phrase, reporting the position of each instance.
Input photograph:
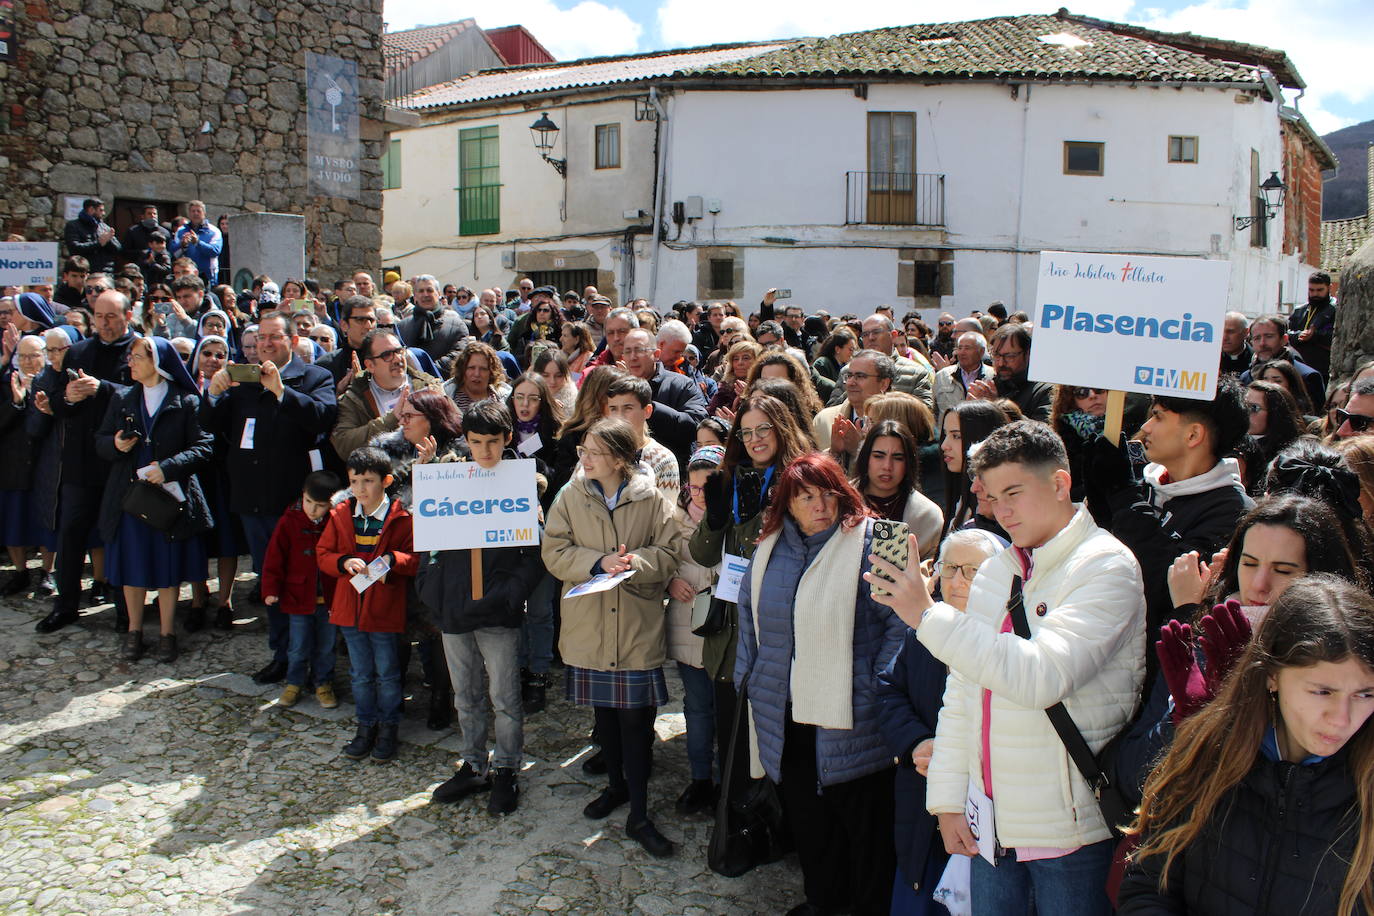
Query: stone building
(1341, 238)
(156, 101)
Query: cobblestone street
(148, 788)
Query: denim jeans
(257, 531)
(536, 636)
(1072, 885)
(699, 709)
(312, 647)
(496, 648)
(376, 671)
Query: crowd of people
(1082, 675)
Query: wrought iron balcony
(894, 199)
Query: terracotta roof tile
(402, 49)
(1039, 47)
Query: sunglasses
(1086, 392)
(1358, 422)
(388, 355)
(159, 298)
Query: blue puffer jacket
(841, 754)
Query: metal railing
(479, 209)
(894, 199)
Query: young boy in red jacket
(291, 580)
(368, 526)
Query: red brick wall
(1302, 209)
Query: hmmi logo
(506, 535)
(1170, 378)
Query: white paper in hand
(171, 486)
(600, 583)
(374, 573)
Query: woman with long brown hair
(1265, 801)
(780, 364)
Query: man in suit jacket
(431, 327)
(679, 404)
(275, 431)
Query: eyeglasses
(584, 452)
(1007, 356)
(273, 337)
(1088, 392)
(96, 290)
(1358, 422)
(385, 327)
(56, 349)
(946, 324)
(762, 429)
(388, 355)
(859, 377)
(694, 489)
(526, 398)
(637, 351)
(462, 297)
(965, 571)
(363, 319)
(1255, 408)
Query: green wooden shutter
(479, 181)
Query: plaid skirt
(616, 689)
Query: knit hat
(711, 454)
(390, 277)
(270, 295)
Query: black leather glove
(717, 500)
(1108, 466)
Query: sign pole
(1116, 408)
(477, 589)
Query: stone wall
(110, 98)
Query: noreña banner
(461, 504)
(1125, 323)
(332, 141)
(27, 263)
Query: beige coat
(684, 645)
(621, 629)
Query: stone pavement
(183, 788)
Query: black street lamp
(1273, 190)
(545, 134)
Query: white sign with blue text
(1126, 323)
(28, 263)
(461, 505)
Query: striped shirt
(367, 528)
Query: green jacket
(707, 546)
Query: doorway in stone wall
(129, 210)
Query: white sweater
(1087, 650)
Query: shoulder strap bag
(1116, 811)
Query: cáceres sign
(1127, 323)
(458, 505)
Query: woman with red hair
(811, 643)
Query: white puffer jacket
(1086, 609)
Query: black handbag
(749, 829)
(152, 505)
(716, 619)
(1116, 810)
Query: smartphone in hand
(245, 373)
(890, 543)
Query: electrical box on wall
(695, 208)
(508, 260)
(713, 205)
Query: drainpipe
(660, 190)
(1021, 200)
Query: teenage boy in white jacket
(994, 745)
